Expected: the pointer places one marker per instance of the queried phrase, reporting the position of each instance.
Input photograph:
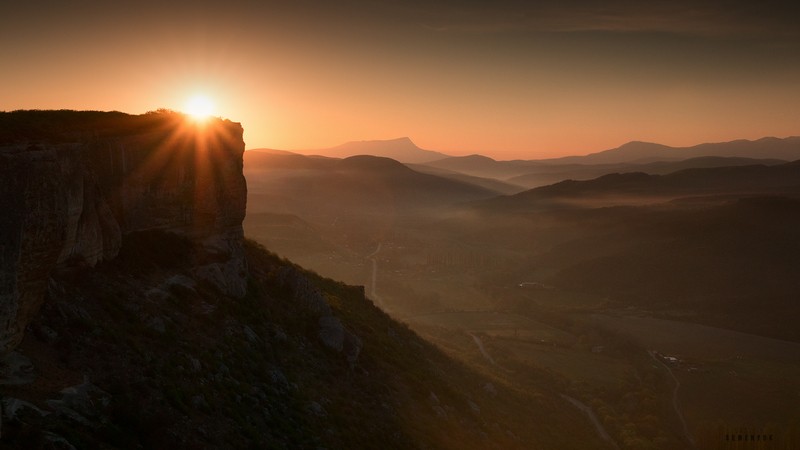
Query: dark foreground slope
(136, 353)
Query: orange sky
(508, 80)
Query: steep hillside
(139, 354)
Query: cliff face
(73, 185)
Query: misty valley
(657, 296)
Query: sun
(199, 106)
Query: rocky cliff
(75, 185)
(122, 258)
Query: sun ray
(184, 139)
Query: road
(593, 418)
(601, 431)
(675, 397)
(485, 354)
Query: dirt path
(593, 418)
(601, 431)
(481, 347)
(675, 405)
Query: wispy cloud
(706, 18)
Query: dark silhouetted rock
(75, 184)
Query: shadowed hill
(731, 265)
(483, 166)
(300, 184)
(631, 157)
(713, 245)
(640, 187)
(375, 164)
(703, 162)
(769, 147)
(276, 159)
(299, 362)
(401, 149)
(549, 174)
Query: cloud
(769, 18)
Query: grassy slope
(181, 366)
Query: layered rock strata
(73, 185)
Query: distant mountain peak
(405, 140)
(640, 144)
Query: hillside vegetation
(137, 354)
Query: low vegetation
(150, 358)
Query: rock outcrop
(332, 333)
(73, 185)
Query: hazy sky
(505, 78)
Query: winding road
(674, 397)
(592, 417)
(485, 354)
(601, 431)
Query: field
(727, 378)
(697, 341)
(497, 324)
(577, 365)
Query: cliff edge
(76, 184)
(123, 261)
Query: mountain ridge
(362, 181)
(787, 148)
(756, 179)
(402, 149)
(633, 152)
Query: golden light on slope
(199, 106)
